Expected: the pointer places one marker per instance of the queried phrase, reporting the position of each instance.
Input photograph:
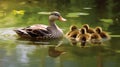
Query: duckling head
(98, 29)
(83, 31)
(73, 27)
(56, 16)
(86, 26)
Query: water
(15, 52)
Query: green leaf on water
(76, 14)
(118, 51)
(107, 20)
(45, 13)
(115, 35)
(84, 14)
(87, 8)
(73, 14)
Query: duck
(73, 32)
(103, 34)
(41, 31)
(83, 37)
(88, 29)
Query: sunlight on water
(7, 34)
(22, 51)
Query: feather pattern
(41, 31)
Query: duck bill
(62, 19)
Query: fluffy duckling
(73, 32)
(95, 38)
(83, 37)
(88, 29)
(103, 34)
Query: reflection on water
(23, 51)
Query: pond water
(15, 52)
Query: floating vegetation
(117, 51)
(76, 14)
(107, 20)
(72, 15)
(45, 13)
(115, 35)
(84, 14)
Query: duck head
(56, 16)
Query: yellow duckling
(103, 34)
(88, 29)
(73, 32)
(83, 37)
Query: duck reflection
(53, 52)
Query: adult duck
(103, 34)
(40, 31)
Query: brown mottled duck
(40, 31)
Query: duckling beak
(62, 19)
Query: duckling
(95, 38)
(73, 32)
(88, 29)
(71, 35)
(83, 37)
(103, 34)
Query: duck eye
(56, 15)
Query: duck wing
(38, 26)
(34, 31)
(22, 33)
(38, 30)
